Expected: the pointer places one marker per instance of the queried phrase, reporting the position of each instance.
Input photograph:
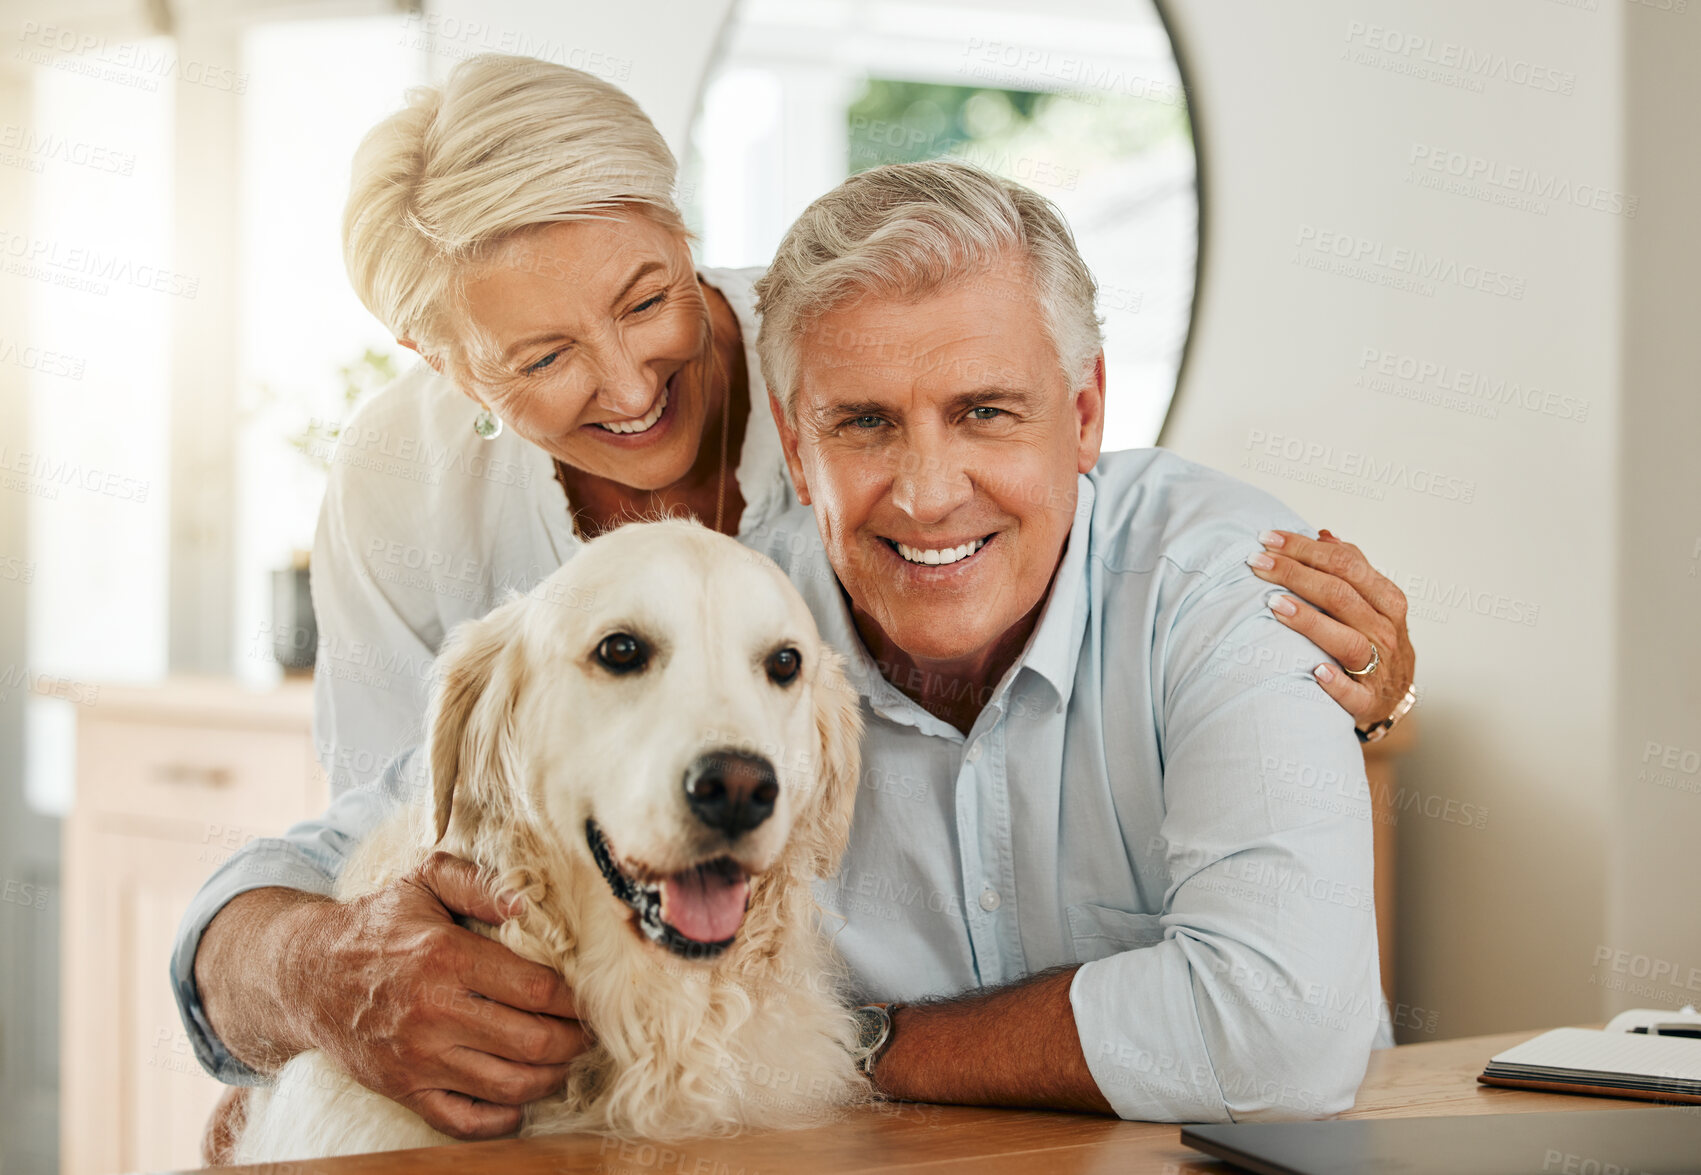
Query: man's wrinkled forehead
(836, 352)
(924, 341)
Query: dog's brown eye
(623, 653)
(783, 666)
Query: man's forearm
(244, 969)
(1014, 1046)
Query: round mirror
(1082, 103)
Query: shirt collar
(762, 477)
(1052, 651)
(1055, 647)
(827, 601)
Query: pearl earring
(487, 424)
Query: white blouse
(426, 525)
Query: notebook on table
(1654, 1056)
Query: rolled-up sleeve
(309, 856)
(1263, 997)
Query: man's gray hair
(904, 231)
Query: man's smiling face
(939, 442)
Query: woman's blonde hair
(504, 144)
(904, 231)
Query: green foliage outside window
(1049, 140)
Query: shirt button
(989, 900)
(974, 757)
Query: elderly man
(1077, 877)
(1079, 703)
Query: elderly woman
(516, 228)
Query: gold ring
(1375, 660)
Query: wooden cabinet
(170, 782)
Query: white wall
(1651, 951)
(1308, 127)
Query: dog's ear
(825, 831)
(471, 713)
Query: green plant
(361, 378)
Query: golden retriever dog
(658, 751)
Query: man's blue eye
(991, 413)
(866, 421)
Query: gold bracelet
(1379, 731)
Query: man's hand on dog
(451, 1024)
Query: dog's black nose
(730, 792)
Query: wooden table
(1432, 1079)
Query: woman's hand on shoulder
(1344, 606)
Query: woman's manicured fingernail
(1283, 604)
(1272, 538)
(1261, 561)
(1323, 674)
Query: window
(1083, 104)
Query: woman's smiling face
(591, 339)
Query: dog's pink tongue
(705, 905)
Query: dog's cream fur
(529, 736)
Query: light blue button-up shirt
(1157, 791)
